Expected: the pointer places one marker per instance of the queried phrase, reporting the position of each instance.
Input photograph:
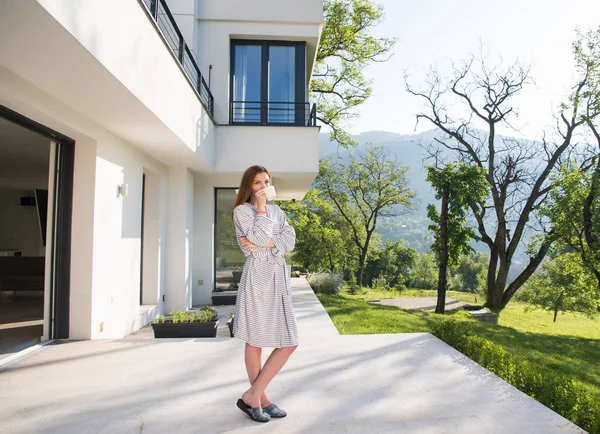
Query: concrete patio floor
(403, 383)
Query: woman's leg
(253, 358)
(272, 366)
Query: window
(268, 83)
(229, 259)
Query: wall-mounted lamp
(122, 190)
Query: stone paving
(401, 383)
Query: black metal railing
(174, 39)
(273, 113)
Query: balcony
(273, 113)
(173, 37)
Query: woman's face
(261, 180)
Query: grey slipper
(274, 411)
(256, 414)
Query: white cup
(270, 192)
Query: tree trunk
(527, 272)
(361, 267)
(443, 271)
(492, 293)
(363, 256)
(558, 305)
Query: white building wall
(180, 217)
(105, 236)
(279, 148)
(106, 60)
(183, 12)
(117, 238)
(268, 11)
(118, 34)
(203, 242)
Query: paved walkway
(401, 383)
(419, 303)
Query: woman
(264, 314)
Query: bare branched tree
(468, 108)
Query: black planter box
(224, 298)
(186, 329)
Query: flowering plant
(237, 267)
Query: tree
(517, 171)
(459, 187)
(563, 285)
(573, 208)
(346, 49)
(467, 274)
(322, 241)
(573, 205)
(424, 274)
(391, 264)
(368, 186)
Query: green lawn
(571, 345)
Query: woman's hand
(247, 244)
(261, 200)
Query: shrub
(381, 283)
(329, 283)
(562, 394)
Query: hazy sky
(436, 32)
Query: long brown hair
(245, 190)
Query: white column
(82, 240)
(180, 216)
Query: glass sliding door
(229, 259)
(247, 84)
(282, 84)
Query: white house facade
(131, 122)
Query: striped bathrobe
(264, 314)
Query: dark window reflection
(229, 258)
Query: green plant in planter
(159, 320)
(206, 314)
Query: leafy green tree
(573, 208)
(460, 187)
(424, 274)
(391, 263)
(468, 274)
(563, 285)
(468, 108)
(363, 189)
(347, 47)
(573, 205)
(322, 241)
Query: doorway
(36, 189)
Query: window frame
(300, 100)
